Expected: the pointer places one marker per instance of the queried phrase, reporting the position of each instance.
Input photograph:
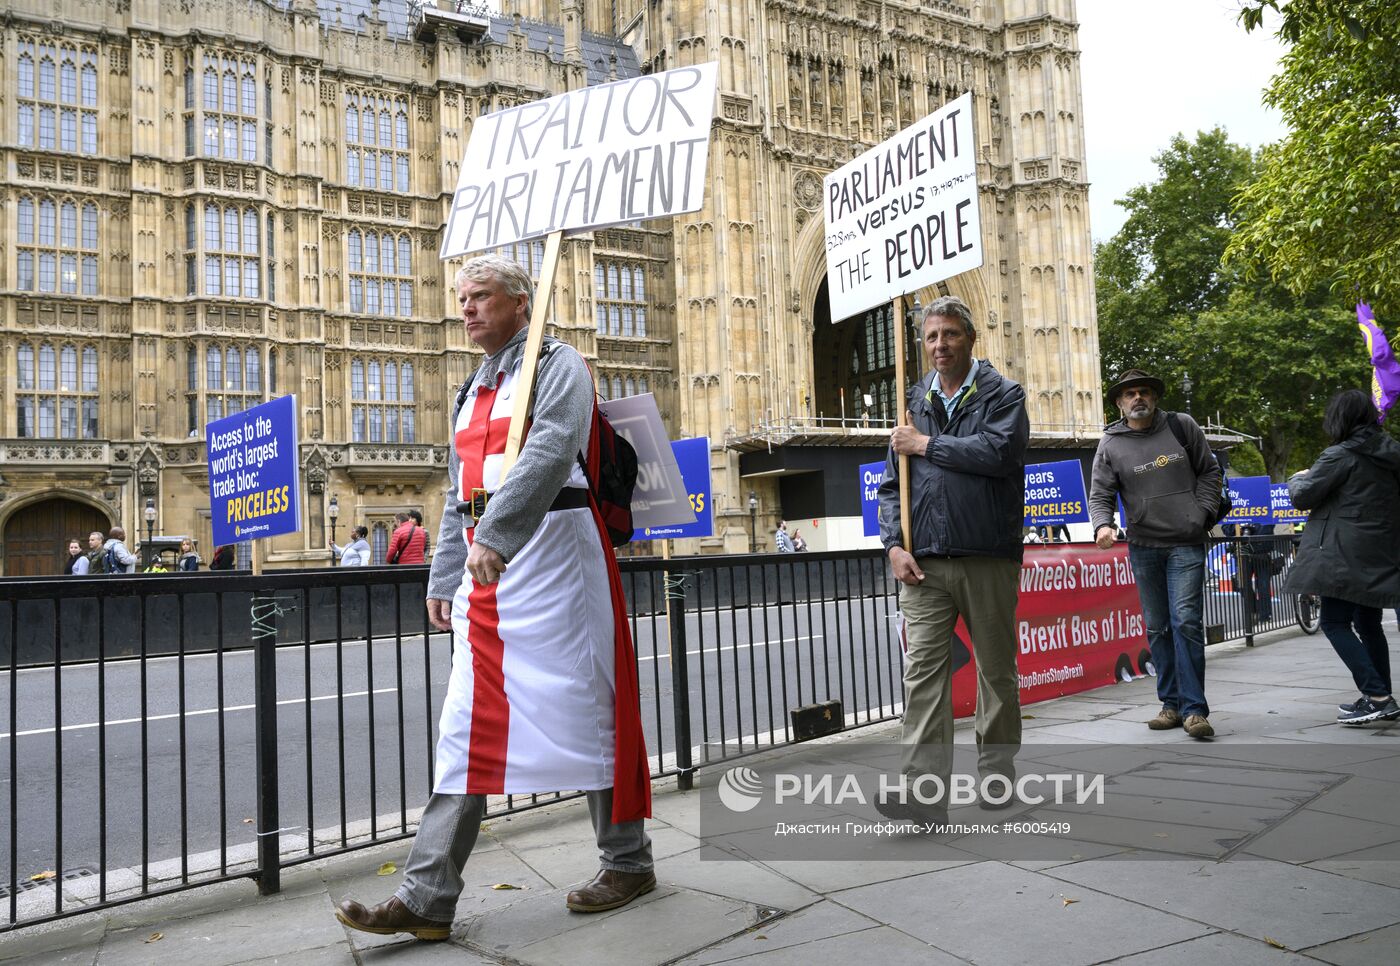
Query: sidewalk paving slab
(995, 906)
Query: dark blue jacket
(968, 488)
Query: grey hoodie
(1169, 491)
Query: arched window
(619, 292)
(379, 273)
(232, 260)
(56, 391)
(228, 112)
(59, 252)
(383, 405)
(376, 140)
(56, 96)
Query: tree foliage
(1260, 357)
(1325, 208)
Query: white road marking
(730, 647)
(190, 714)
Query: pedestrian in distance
(77, 563)
(966, 442)
(1350, 553)
(782, 540)
(543, 694)
(223, 558)
(188, 559)
(95, 541)
(357, 552)
(799, 542)
(116, 558)
(417, 518)
(1161, 465)
(407, 542)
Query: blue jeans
(1170, 585)
(1356, 636)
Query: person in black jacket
(966, 444)
(1350, 554)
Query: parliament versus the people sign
(253, 472)
(903, 215)
(596, 156)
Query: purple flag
(1385, 382)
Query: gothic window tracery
(56, 245)
(380, 273)
(376, 140)
(57, 96)
(56, 389)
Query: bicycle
(1308, 609)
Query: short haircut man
(966, 444)
(1161, 466)
(543, 694)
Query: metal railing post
(1244, 569)
(264, 628)
(675, 584)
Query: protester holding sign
(966, 446)
(543, 694)
(1171, 490)
(1350, 554)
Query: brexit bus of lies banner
(1079, 626)
(596, 156)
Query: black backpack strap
(1179, 431)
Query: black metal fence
(165, 732)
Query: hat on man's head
(1135, 377)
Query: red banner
(1078, 626)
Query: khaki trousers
(983, 590)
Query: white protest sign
(903, 215)
(660, 499)
(596, 156)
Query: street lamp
(333, 511)
(1186, 390)
(150, 528)
(753, 521)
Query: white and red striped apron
(535, 703)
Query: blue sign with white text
(1055, 494)
(1249, 500)
(253, 472)
(1281, 508)
(870, 476)
(693, 460)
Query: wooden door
(36, 536)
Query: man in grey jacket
(540, 697)
(1170, 485)
(966, 444)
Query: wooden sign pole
(525, 389)
(901, 345)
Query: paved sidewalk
(1338, 904)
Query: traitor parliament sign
(903, 215)
(596, 156)
(253, 472)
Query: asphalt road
(194, 768)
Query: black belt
(569, 498)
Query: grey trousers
(447, 833)
(984, 591)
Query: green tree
(1325, 209)
(1260, 357)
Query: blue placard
(253, 472)
(870, 476)
(1249, 499)
(1281, 508)
(693, 460)
(1055, 494)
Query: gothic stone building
(209, 205)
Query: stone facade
(206, 206)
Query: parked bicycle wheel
(1308, 608)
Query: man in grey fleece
(1170, 485)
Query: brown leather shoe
(611, 889)
(390, 917)
(1198, 727)
(1166, 720)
